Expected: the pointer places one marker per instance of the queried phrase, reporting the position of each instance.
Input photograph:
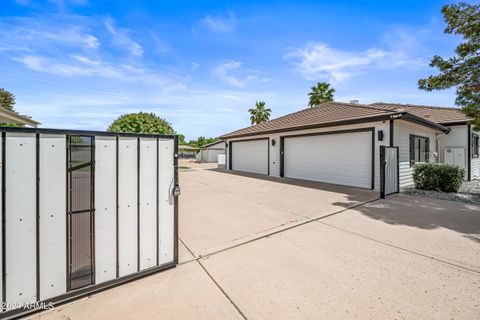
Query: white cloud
(219, 24)
(195, 65)
(232, 74)
(122, 38)
(319, 61)
(28, 36)
(77, 65)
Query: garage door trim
(230, 147)
(368, 129)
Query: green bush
(438, 177)
(141, 122)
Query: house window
(419, 149)
(475, 145)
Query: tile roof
(338, 113)
(440, 115)
(326, 113)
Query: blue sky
(202, 64)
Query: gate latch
(176, 191)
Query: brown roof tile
(440, 115)
(331, 113)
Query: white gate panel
(342, 158)
(148, 203)
(52, 211)
(106, 209)
(127, 205)
(20, 205)
(166, 200)
(250, 156)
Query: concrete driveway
(264, 248)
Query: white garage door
(344, 158)
(250, 156)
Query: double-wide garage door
(339, 158)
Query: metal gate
(83, 211)
(389, 170)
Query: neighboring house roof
(212, 143)
(8, 116)
(334, 114)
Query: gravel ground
(469, 193)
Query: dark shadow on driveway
(426, 214)
(353, 192)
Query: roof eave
(17, 118)
(456, 123)
(380, 117)
(421, 121)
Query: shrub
(438, 177)
(141, 123)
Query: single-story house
(9, 116)
(340, 143)
(209, 152)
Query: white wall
(210, 154)
(458, 138)
(402, 131)
(275, 150)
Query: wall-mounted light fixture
(273, 142)
(226, 144)
(380, 135)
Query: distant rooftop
(8, 116)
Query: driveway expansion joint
(451, 264)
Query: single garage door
(339, 158)
(250, 156)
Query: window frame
(475, 145)
(413, 160)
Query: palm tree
(260, 113)
(320, 93)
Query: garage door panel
(335, 158)
(250, 156)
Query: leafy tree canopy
(181, 139)
(320, 93)
(141, 122)
(461, 71)
(7, 99)
(201, 141)
(260, 113)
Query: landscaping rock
(469, 193)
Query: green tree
(141, 122)
(7, 99)
(320, 93)
(201, 141)
(461, 71)
(260, 113)
(181, 140)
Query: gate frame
(382, 170)
(94, 288)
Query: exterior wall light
(273, 142)
(380, 135)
